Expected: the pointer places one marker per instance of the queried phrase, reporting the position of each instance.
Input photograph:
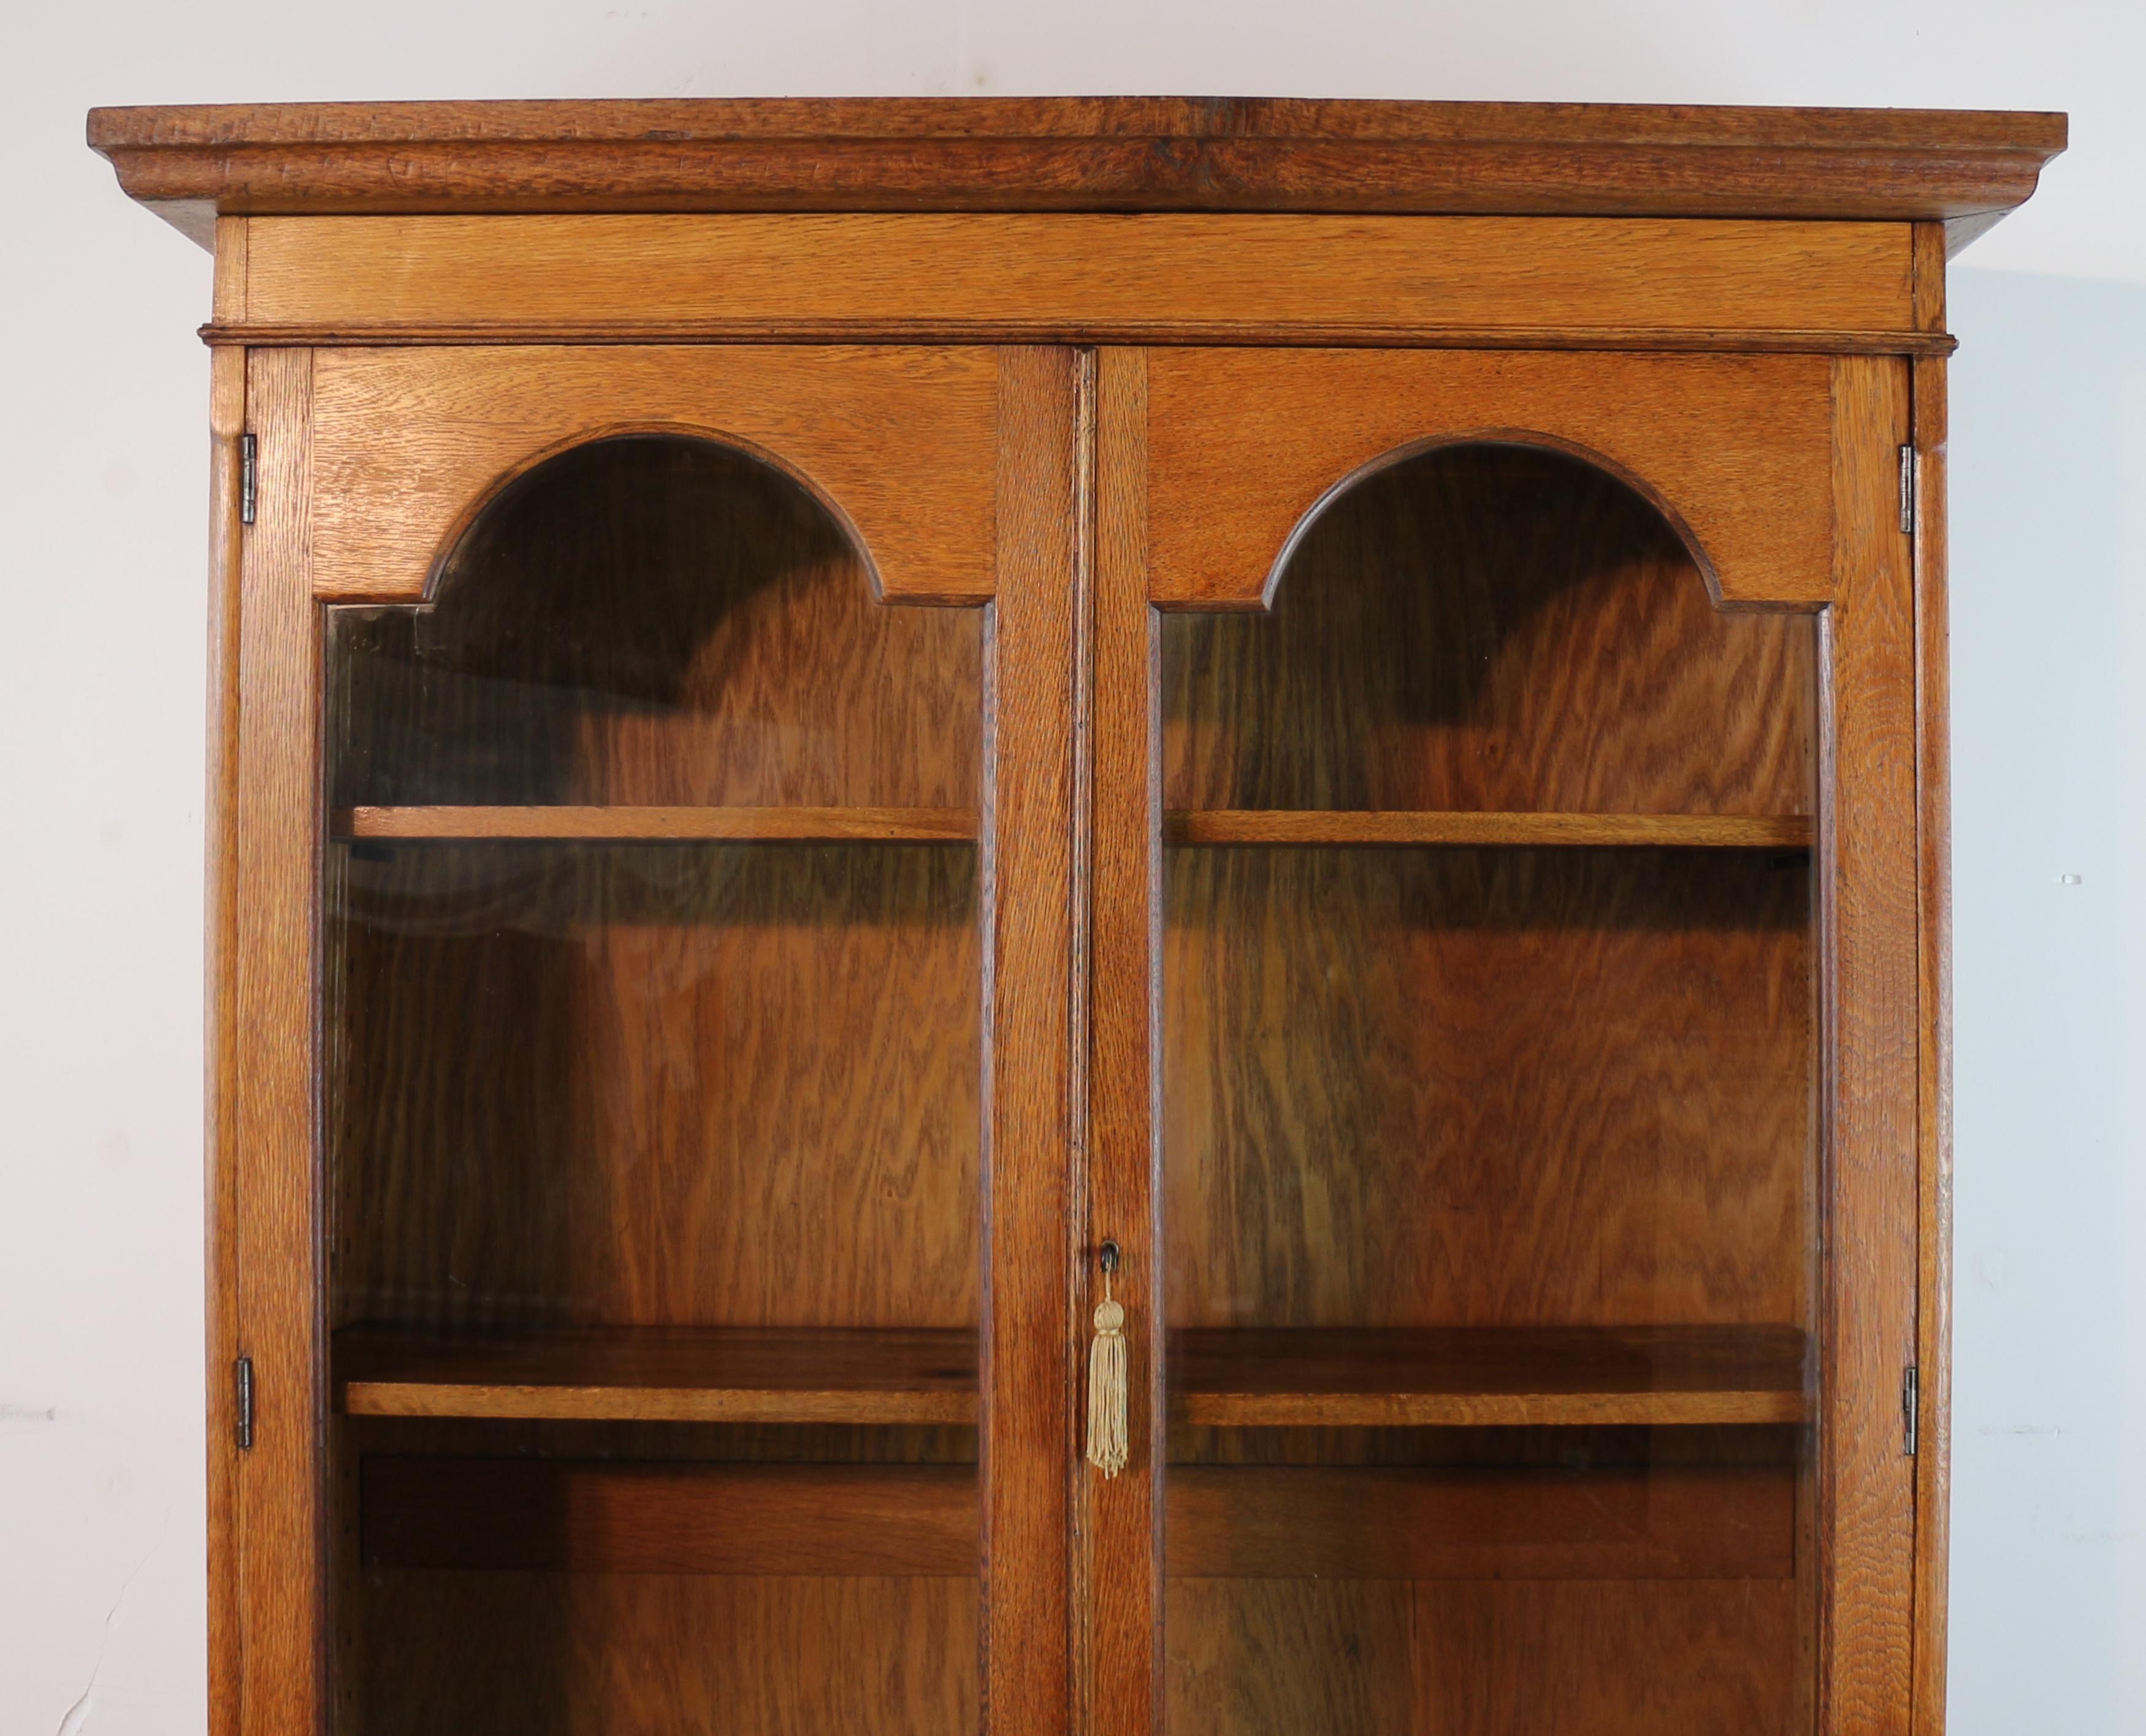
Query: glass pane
(655, 1242)
(1489, 1156)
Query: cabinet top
(1965, 168)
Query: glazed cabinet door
(644, 1179)
(1505, 904)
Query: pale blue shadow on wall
(2049, 504)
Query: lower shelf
(1261, 1377)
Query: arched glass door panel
(655, 1242)
(1489, 1164)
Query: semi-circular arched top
(1245, 448)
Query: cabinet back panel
(640, 1086)
(477, 1653)
(1475, 1087)
(658, 621)
(1489, 627)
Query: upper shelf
(1399, 827)
(678, 1375)
(1965, 168)
(564, 824)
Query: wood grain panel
(1122, 1529)
(601, 1084)
(1709, 1522)
(1606, 1659)
(656, 622)
(1288, 1658)
(276, 1062)
(638, 1374)
(1112, 153)
(1934, 995)
(1372, 827)
(1488, 636)
(1871, 902)
(557, 824)
(220, 1147)
(525, 1515)
(642, 1654)
(463, 422)
(1030, 823)
(1245, 444)
(1487, 1376)
(1417, 1089)
(982, 277)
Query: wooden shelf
(1357, 826)
(1488, 1376)
(658, 1374)
(1239, 1378)
(566, 824)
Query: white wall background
(102, 502)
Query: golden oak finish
(675, 1375)
(821, 706)
(1341, 826)
(974, 278)
(276, 954)
(558, 823)
(467, 420)
(1076, 153)
(1870, 903)
(1245, 445)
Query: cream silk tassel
(1106, 1379)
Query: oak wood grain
(1285, 827)
(738, 825)
(1498, 633)
(280, 1279)
(721, 1374)
(1288, 1657)
(1121, 1557)
(1499, 1523)
(1488, 1376)
(219, 1023)
(1606, 1659)
(1027, 1380)
(918, 510)
(1246, 445)
(1111, 154)
(648, 1654)
(1870, 898)
(992, 278)
(605, 1517)
(1934, 995)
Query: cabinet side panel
(275, 1072)
(1869, 825)
(1934, 1336)
(226, 423)
(1027, 1374)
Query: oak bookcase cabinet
(822, 708)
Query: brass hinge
(1908, 467)
(242, 1391)
(1911, 1393)
(249, 474)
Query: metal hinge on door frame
(1907, 478)
(241, 1374)
(1911, 1409)
(249, 473)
